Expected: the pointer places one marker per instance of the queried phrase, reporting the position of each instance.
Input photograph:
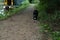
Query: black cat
(35, 15)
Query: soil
(20, 26)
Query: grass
(49, 23)
(13, 11)
(46, 29)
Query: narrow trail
(20, 26)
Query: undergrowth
(49, 16)
(14, 10)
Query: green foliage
(35, 1)
(56, 35)
(45, 28)
(49, 15)
(13, 10)
(49, 11)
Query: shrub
(49, 13)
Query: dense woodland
(49, 11)
(49, 16)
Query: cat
(35, 14)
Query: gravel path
(20, 26)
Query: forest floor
(20, 26)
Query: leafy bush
(49, 11)
(13, 10)
(56, 35)
(49, 14)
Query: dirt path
(20, 27)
